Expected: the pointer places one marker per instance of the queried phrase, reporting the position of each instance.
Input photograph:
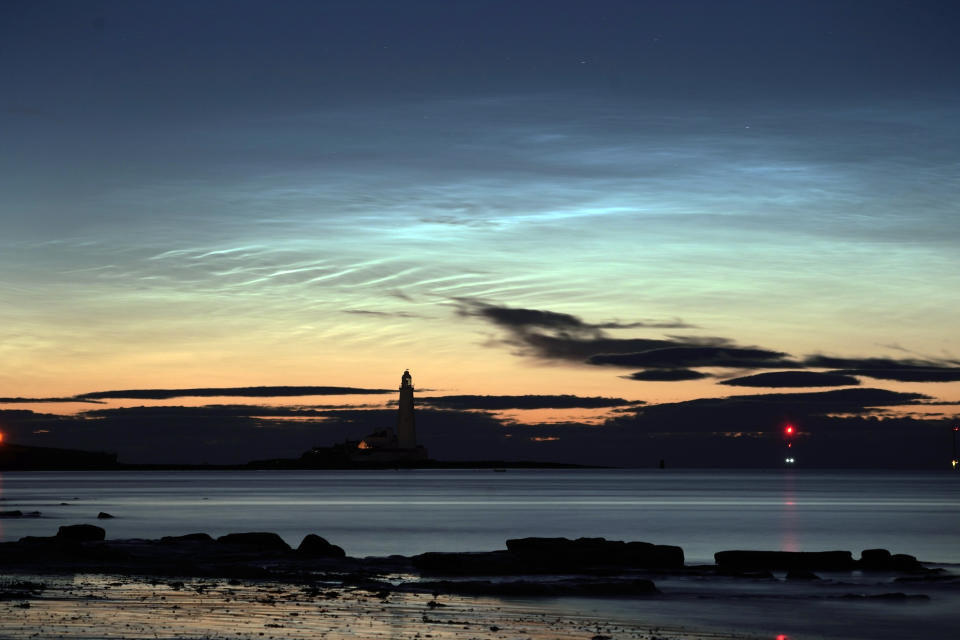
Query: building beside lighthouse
(383, 447)
(387, 445)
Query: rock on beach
(546, 555)
(314, 545)
(190, 537)
(261, 540)
(81, 533)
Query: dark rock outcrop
(797, 560)
(260, 540)
(81, 533)
(565, 553)
(314, 545)
(874, 559)
(654, 556)
(905, 562)
(883, 560)
(549, 555)
(103, 515)
(190, 537)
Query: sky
(635, 200)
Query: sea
(379, 513)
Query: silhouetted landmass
(743, 412)
(793, 379)
(841, 428)
(522, 402)
(14, 457)
(251, 392)
(342, 465)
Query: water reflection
(788, 517)
(384, 512)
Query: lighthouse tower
(406, 429)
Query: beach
(92, 606)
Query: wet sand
(91, 606)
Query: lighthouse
(406, 428)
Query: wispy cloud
(904, 370)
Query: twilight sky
(237, 193)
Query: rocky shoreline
(528, 566)
(249, 585)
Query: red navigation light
(789, 430)
(956, 428)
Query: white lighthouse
(406, 427)
(386, 446)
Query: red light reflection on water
(782, 636)
(788, 519)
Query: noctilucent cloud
(231, 193)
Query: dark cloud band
(248, 392)
(522, 402)
(793, 379)
(684, 356)
(666, 375)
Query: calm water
(407, 512)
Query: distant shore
(271, 465)
(14, 457)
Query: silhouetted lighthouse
(406, 428)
